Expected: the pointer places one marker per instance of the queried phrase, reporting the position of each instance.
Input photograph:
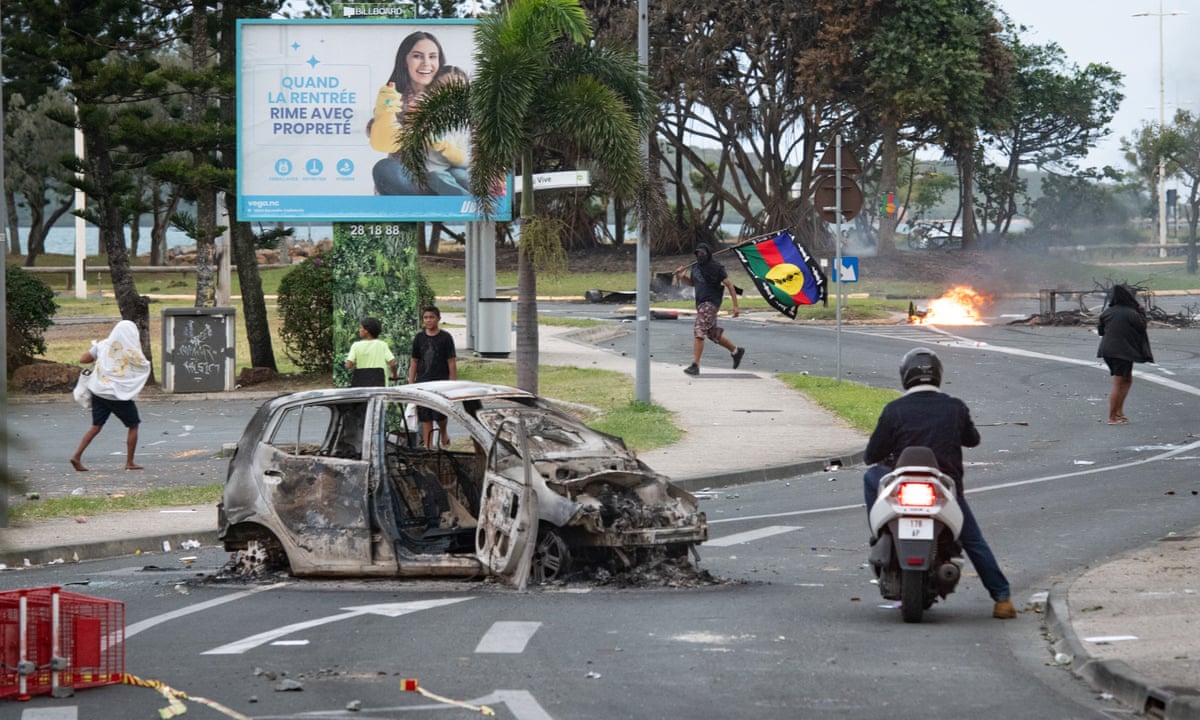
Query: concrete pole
(224, 254)
(80, 225)
(1162, 123)
(473, 292)
(642, 327)
(837, 256)
(4, 469)
(1161, 184)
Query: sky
(1106, 31)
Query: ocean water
(61, 240)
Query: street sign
(558, 180)
(827, 165)
(847, 273)
(825, 198)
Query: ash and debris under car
(653, 568)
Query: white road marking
(750, 535)
(901, 332)
(54, 713)
(520, 703)
(507, 637)
(1001, 486)
(137, 627)
(388, 609)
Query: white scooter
(915, 523)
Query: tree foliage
(1073, 208)
(1059, 112)
(30, 309)
(35, 176)
(306, 311)
(1180, 145)
(542, 89)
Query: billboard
(319, 106)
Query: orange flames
(961, 305)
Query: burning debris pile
(961, 305)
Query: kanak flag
(783, 271)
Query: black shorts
(125, 410)
(425, 414)
(1118, 367)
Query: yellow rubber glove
(384, 127)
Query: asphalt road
(794, 630)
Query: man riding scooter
(927, 417)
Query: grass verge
(206, 495)
(859, 405)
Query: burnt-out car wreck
(334, 483)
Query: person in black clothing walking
(433, 358)
(1123, 342)
(710, 280)
(927, 417)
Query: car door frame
(507, 527)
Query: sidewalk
(1130, 627)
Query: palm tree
(542, 88)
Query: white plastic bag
(83, 394)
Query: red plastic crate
(93, 640)
(50, 639)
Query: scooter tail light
(917, 494)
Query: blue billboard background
(307, 92)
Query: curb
(775, 472)
(103, 549)
(1115, 677)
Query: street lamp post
(1162, 123)
(642, 327)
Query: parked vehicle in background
(932, 235)
(334, 483)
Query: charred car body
(333, 483)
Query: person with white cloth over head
(120, 374)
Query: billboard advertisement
(320, 105)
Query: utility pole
(1161, 170)
(4, 473)
(642, 327)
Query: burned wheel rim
(551, 557)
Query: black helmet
(920, 366)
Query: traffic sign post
(837, 198)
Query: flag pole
(743, 243)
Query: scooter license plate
(916, 528)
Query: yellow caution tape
(411, 685)
(175, 706)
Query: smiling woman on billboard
(317, 105)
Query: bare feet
(78, 465)
(131, 466)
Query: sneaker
(692, 369)
(1004, 610)
(737, 357)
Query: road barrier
(54, 642)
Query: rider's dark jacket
(924, 416)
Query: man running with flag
(710, 280)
